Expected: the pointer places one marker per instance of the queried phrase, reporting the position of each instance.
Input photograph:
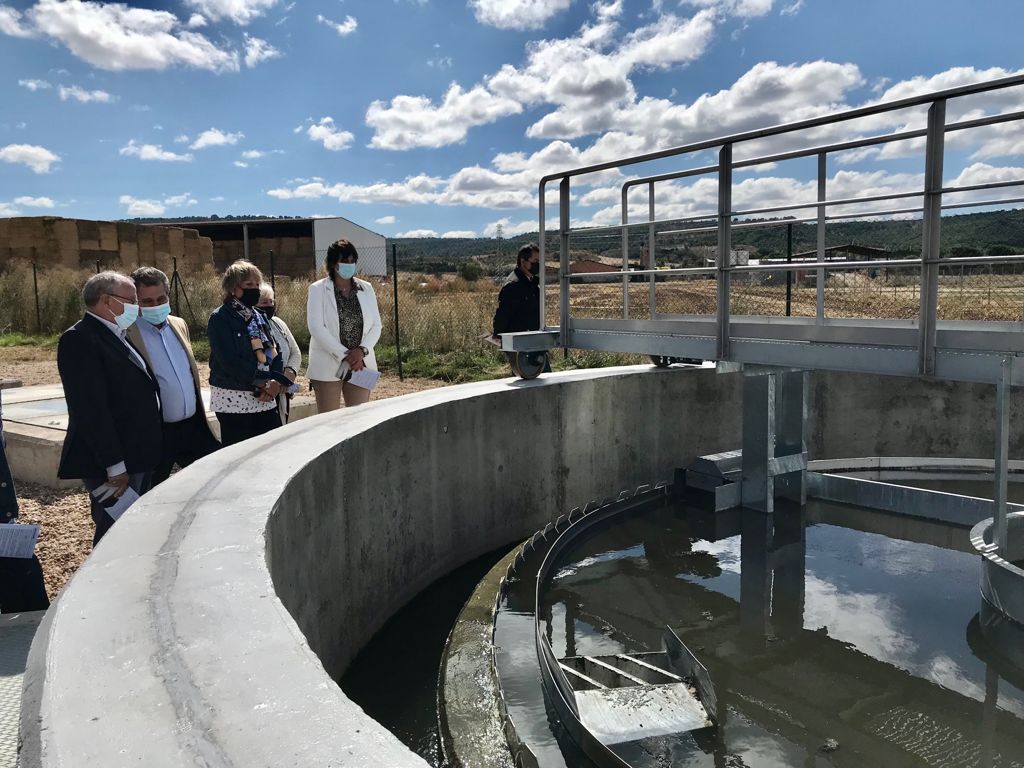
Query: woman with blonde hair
(245, 362)
(344, 326)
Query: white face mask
(129, 314)
(346, 271)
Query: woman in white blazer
(344, 326)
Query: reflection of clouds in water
(871, 623)
(943, 671)
(761, 748)
(726, 550)
(895, 558)
(619, 554)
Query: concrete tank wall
(208, 624)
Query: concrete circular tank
(210, 624)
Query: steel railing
(930, 208)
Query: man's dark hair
(150, 277)
(526, 252)
(337, 251)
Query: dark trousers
(183, 443)
(236, 427)
(139, 482)
(21, 585)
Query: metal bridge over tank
(942, 315)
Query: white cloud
(214, 137)
(142, 207)
(326, 133)
(385, 220)
(217, 199)
(418, 233)
(517, 14)
(257, 50)
(414, 121)
(196, 20)
(11, 23)
(34, 202)
(238, 11)
(184, 199)
(509, 229)
(745, 9)
(344, 28)
(792, 9)
(414, 190)
(441, 62)
(6, 209)
(83, 96)
(34, 85)
(153, 152)
(182, 139)
(116, 36)
(39, 159)
(253, 154)
(457, 233)
(241, 164)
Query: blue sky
(439, 116)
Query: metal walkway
(959, 318)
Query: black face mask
(267, 311)
(250, 296)
(535, 269)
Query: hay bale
(108, 235)
(65, 233)
(88, 235)
(176, 242)
(25, 232)
(5, 227)
(144, 244)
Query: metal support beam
(625, 253)
(819, 281)
(931, 224)
(245, 241)
(791, 433)
(542, 237)
(563, 260)
(724, 260)
(758, 491)
(651, 296)
(1001, 468)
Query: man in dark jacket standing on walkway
(519, 298)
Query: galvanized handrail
(931, 207)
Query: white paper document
(365, 378)
(115, 507)
(18, 540)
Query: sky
(438, 117)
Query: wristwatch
(365, 351)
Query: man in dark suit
(519, 298)
(164, 343)
(114, 423)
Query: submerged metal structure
(774, 350)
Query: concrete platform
(16, 633)
(36, 420)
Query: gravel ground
(65, 537)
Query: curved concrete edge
(174, 643)
(469, 707)
(210, 624)
(1002, 582)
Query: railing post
(35, 289)
(563, 268)
(931, 224)
(1001, 464)
(543, 258)
(394, 289)
(789, 272)
(724, 260)
(625, 252)
(651, 297)
(819, 312)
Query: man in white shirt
(114, 425)
(164, 342)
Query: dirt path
(65, 538)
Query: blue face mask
(156, 315)
(128, 316)
(346, 271)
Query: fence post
(394, 284)
(97, 266)
(177, 299)
(789, 272)
(273, 282)
(35, 288)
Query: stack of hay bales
(50, 241)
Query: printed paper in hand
(18, 540)
(365, 378)
(115, 507)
